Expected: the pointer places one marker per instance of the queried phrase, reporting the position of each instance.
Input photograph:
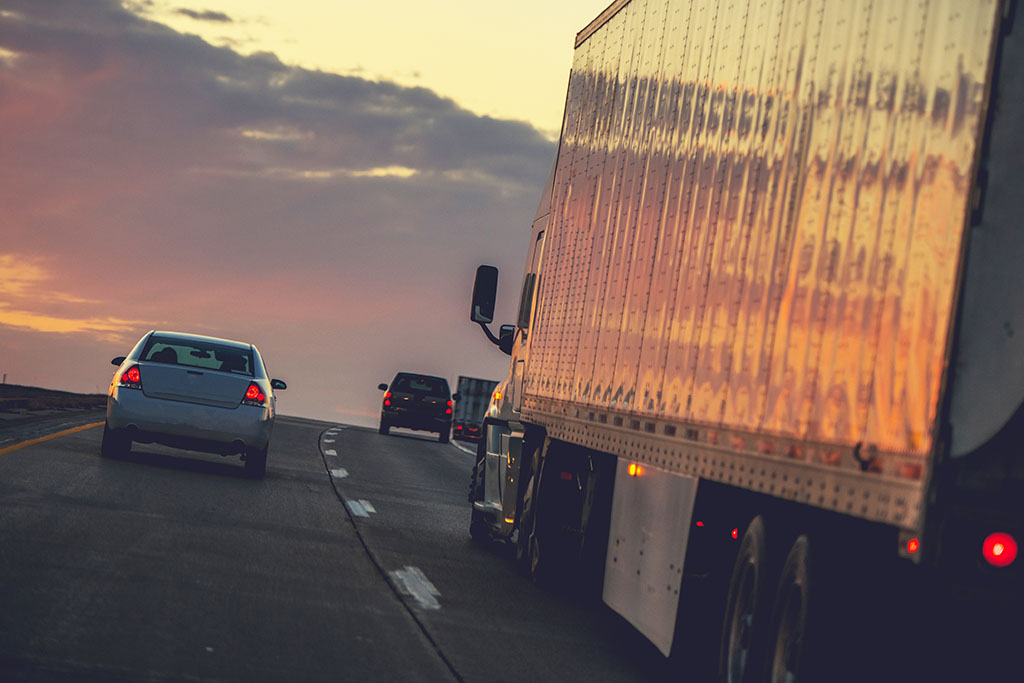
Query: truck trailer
(474, 398)
(766, 377)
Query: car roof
(418, 374)
(185, 336)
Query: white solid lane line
(413, 582)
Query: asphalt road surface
(350, 561)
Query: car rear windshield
(433, 386)
(199, 354)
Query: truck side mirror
(506, 335)
(485, 292)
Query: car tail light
(999, 549)
(254, 396)
(131, 378)
(448, 410)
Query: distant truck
(766, 380)
(474, 397)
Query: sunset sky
(322, 182)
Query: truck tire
(790, 660)
(115, 444)
(522, 546)
(747, 609)
(479, 530)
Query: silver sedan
(193, 392)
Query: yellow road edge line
(7, 449)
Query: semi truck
(474, 398)
(766, 376)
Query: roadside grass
(15, 398)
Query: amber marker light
(999, 549)
(497, 395)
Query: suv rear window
(432, 386)
(199, 354)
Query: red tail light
(132, 378)
(254, 396)
(448, 410)
(999, 549)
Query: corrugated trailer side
(755, 236)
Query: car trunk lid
(193, 385)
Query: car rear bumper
(189, 425)
(430, 423)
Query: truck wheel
(478, 528)
(747, 608)
(256, 463)
(790, 660)
(522, 547)
(115, 444)
(384, 427)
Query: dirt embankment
(15, 399)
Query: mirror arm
(490, 335)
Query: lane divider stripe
(413, 582)
(31, 442)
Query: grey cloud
(205, 15)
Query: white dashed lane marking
(339, 473)
(328, 440)
(413, 582)
(330, 451)
(360, 508)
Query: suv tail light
(448, 410)
(131, 378)
(387, 398)
(254, 396)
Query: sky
(322, 183)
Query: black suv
(417, 402)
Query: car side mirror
(485, 292)
(118, 360)
(456, 396)
(506, 335)
(382, 387)
(278, 384)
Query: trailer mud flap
(650, 524)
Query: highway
(350, 561)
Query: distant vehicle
(474, 397)
(418, 402)
(192, 392)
